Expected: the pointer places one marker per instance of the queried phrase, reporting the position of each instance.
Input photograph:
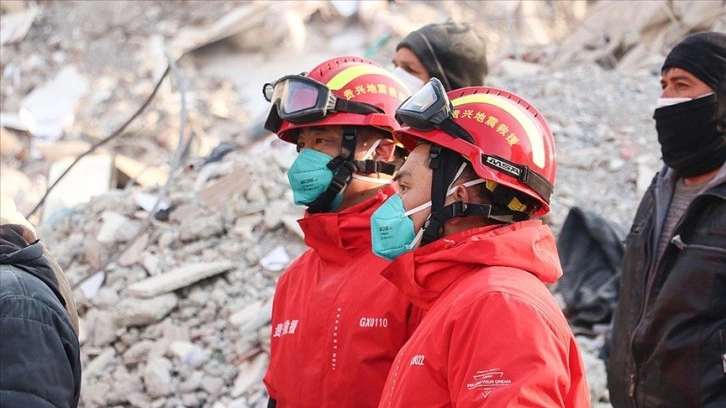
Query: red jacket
(337, 324)
(493, 336)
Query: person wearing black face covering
(668, 343)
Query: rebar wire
(182, 147)
(100, 143)
(176, 163)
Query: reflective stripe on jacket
(492, 336)
(336, 323)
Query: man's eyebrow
(680, 78)
(401, 174)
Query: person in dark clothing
(40, 362)
(668, 346)
(451, 52)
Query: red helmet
(357, 80)
(506, 130)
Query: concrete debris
(91, 176)
(177, 278)
(16, 25)
(276, 260)
(236, 182)
(135, 252)
(116, 228)
(141, 312)
(175, 306)
(189, 353)
(51, 107)
(653, 28)
(92, 285)
(251, 373)
(157, 377)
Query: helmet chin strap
(443, 162)
(361, 164)
(365, 165)
(343, 169)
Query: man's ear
(384, 151)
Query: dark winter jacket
(669, 331)
(39, 351)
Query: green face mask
(392, 232)
(310, 177)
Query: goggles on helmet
(299, 99)
(431, 108)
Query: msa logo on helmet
(504, 166)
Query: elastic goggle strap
(522, 173)
(342, 105)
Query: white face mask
(661, 102)
(412, 82)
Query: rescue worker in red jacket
(336, 323)
(466, 249)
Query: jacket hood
(337, 236)
(426, 272)
(33, 257)
(16, 251)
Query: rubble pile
(174, 232)
(176, 312)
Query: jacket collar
(337, 236)
(427, 271)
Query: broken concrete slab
(140, 312)
(178, 278)
(250, 373)
(51, 107)
(93, 175)
(236, 182)
(141, 173)
(16, 24)
(134, 252)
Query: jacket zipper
(650, 280)
(634, 368)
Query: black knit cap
(451, 52)
(703, 55)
